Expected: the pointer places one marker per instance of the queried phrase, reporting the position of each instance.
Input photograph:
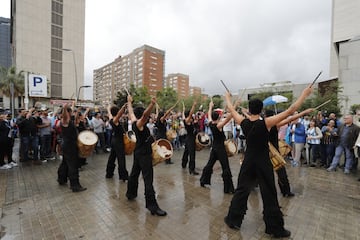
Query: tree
(166, 98)
(10, 81)
(140, 96)
(331, 92)
(121, 98)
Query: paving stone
(34, 206)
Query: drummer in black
(283, 180)
(69, 167)
(117, 144)
(189, 151)
(82, 126)
(218, 151)
(257, 166)
(161, 128)
(142, 157)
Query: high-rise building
(5, 46)
(345, 50)
(195, 91)
(143, 67)
(48, 39)
(179, 82)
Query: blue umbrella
(273, 100)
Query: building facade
(180, 83)
(195, 91)
(48, 39)
(345, 51)
(5, 46)
(143, 67)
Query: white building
(48, 40)
(345, 50)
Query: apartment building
(143, 67)
(179, 82)
(195, 91)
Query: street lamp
(78, 93)
(73, 54)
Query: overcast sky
(243, 42)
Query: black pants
(69, 167)
(143, 164)
(257, 170)
(6, 150)
(117, 151)
(189, 153)
(283, 180)
(218, 153)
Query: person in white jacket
(314, 135)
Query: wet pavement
(33, 205)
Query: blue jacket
(300, 135)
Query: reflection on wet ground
(34, 206)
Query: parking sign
(37, 86)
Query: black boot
(75, 185)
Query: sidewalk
(34, 206)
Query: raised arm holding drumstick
(69, 167)
(117, 144)
(142, 157)
(218, 151)
(257, 167)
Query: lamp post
(78, 93)
(73, 54)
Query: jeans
(348, 157)
(45, 147)
(28, 142)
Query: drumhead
(131, 136)
(88, 137)
(203, 139)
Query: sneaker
(50, 158)
(5, 166)
(44, 161)
(13, 164)
(347, 171)
(294, 163)
(330, 169)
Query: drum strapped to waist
(201, 140)
(230, 147)
(171, 134)
(161, 150)
(129, 142)
(276, 159)
(86, 143)
(284, 148)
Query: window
(56, 31)
(56, 19)
(56, 43)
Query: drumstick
(225, 87)
(240, 97)
(323, 104)
(175, 104)
(127, 92)
(316, 79)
